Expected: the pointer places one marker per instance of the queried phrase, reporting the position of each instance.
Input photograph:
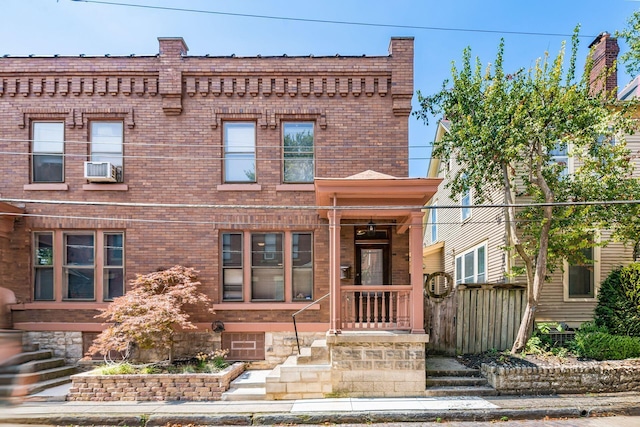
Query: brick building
(280, 179)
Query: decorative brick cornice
(292, 86)
(111, 85)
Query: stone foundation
(67, 345)
(587, 377)
(153, 387)
(377, 364)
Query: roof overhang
(398, 196)
(8, 214)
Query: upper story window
(560, 156)
(48, 152)
(239, 152)
(466, 201)
(433, 219)
(298, 152)
(106, 142)
(471, 265)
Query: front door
(372, 269)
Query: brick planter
(153, 387)
(586, 377)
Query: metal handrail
(295, 327)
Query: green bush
(618, 308)
(594, 342)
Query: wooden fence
(475, 318)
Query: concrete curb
(256, 419)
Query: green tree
(149, 314)
(505, 129)
(631, 35)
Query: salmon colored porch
(366, 197)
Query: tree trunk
(534, 289)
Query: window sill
(105, 187)
(59, 305)
(239, 187)
(252, 306)
(295, 187)
(46, 187)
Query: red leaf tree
(151, 312)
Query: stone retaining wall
(153, 387)
(587, 377)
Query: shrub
(148, 315)
(618, 308)
(594, 342)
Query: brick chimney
(604, 74)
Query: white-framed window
(47, 163)
(433, 219)
(298, 148)
(276, 264)
(107, 142)
(239, 152)
(68, 265)
(560, 156)
(580, 280)
(471, 265)
(466, 201)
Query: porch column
(415, 253)
(334, 272)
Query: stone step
(243, 394)
(13, 364)
(453, 373)
(460, 391)
(37, 376)
(455, 381)
(20, 390)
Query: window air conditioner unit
(100, 172)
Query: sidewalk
(314, 411)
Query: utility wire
(333, 22)
(311, 207)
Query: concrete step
(244, 394)
(455, 381)
(460, 391)
(250, 385)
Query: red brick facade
(173, 108)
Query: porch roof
(374, 190)
(6, 218)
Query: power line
(312, 207)
(333, 22)
(298, 156)
(270, 223)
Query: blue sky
(67, 27)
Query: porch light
(371, 228)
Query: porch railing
(376, 307)
(293, 316)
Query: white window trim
(464, 218)
(433, 222)
(596, 277)
(475, 266)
